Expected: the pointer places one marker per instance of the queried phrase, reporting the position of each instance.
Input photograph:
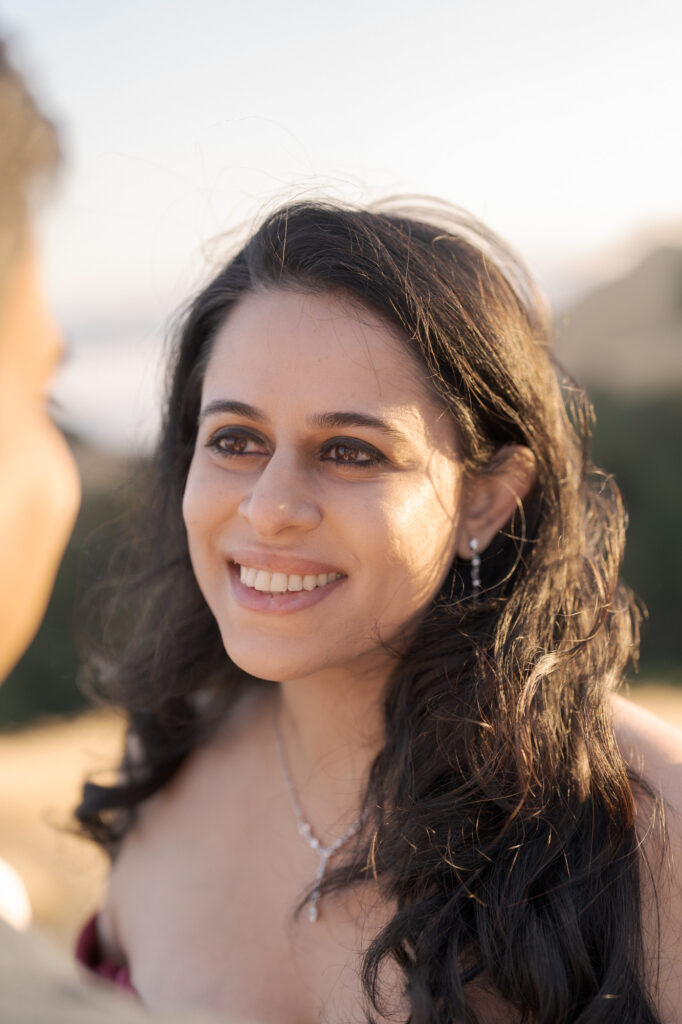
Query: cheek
(44, 493)
(421, 535)
(204, 503)
(40, 497)
(209, 506)
(191, 502)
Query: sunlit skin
(281, 484)
(284, 485)
(297, 481)
(39, 485)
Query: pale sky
(555, 122)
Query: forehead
(321, 349)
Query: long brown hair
(499, 815)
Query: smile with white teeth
(280, 582)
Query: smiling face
(323, 497)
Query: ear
(491, 497)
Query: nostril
(269, 515)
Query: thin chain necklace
(325, 853)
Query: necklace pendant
(306, 831)
(313, 912)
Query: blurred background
(557, 124)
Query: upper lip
(271, 561)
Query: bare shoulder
(653, 748)
(141, 879)
(169, 838)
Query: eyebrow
(319, 420)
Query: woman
(369, 654)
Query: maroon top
(89, 954)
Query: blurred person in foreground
(39, 493)
(39, 498)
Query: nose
(280, 500)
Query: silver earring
(475, 567)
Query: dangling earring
(475, 567)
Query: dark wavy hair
(499, 815)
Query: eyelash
(373, 457)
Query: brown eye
(342, 453)
(346, 454)
(235, 443)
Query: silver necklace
(325, 853)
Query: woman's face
(39, 486)
(322, 500)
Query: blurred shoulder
(38, 983)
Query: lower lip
(278, 604)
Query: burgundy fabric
(89, 954)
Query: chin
(277, 661)
(271, 663)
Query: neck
(331, 728)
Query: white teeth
(247, 576)
(262, 581)
(280, 582)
